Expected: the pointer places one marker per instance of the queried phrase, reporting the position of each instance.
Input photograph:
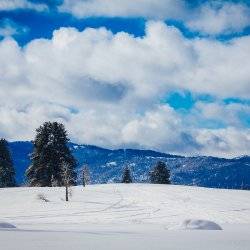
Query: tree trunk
(67, 193)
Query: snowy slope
(107, 165)
(118, 216)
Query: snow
(200, 225)
(125, 216)
(6, 225)
(111, 164)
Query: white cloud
(106, 88)
(213, 17)
(7, 30)
(210, 18)
(162, 128)
(229, 114)
(118, 8)
(10, 28)
(220, 18)
(8, 5)
(224, 142)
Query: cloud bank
(107, 89)
(209, 18)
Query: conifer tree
(126, 178)
(160, 174)
(49, 156)
(7, 171)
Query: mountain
(106, 166)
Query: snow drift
(200, 225)
(4, 225)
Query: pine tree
(160, 174)
(126, 177)
(49, 156)
(7, 171)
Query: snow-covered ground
(125, 216)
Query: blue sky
(42, 24)
(151, 68)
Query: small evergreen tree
(126, 177)
(50, 154)
(160, 174)
(7, 171)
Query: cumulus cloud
(210, 18)
(218, 17)
(228, 114)
(106, 88)
(227, 142)
(9, 5)
(118, 8)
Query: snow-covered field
(124, 216)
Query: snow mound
(200, 225)
(6, 225)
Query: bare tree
(67, 178)
(85, 175)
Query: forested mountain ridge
(106, 166)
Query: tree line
(52, 163)
(159, 174)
